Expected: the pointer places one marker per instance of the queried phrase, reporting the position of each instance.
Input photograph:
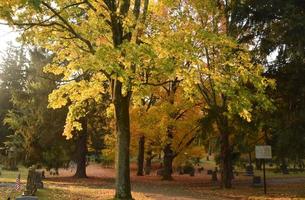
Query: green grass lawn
(10, 176)
(54, 191)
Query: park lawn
(52, 192)
(65, 188)
(10, 176)
(271, 174)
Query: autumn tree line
(145, 79)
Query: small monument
(249, 170)
(257, 181)
(34, 181)
(209, 172)
(214, 176)
(10, 160)
(31, 186)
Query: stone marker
(257, 181)
(214, 176)
(31, 184)
(187, 169)
(249, 170)
(10, 161)
(160, 172)
(200, 169)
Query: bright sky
(6, 35)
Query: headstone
(257, 181)
(34, 182)
(31, 187)
(10, 160)
(38, 179)
(249, 170)
(188, 169)
(284, 169)
(201, 169)
(214, 176)
(43, 175)
(160, 172)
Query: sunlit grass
(10, 176)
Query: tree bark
(149, 157)
(250, 158)
(141, 156)
(121, 104)
(225, 161)
(81, 151)
(258, 164)
(168, 156)
(167, 163)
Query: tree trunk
(250, 158)
(167, 163)
(149, 157)
(81, 151)
(258, 164)
(121, 104)
(168, 156)
(225, 161)
(141, 156)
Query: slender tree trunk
(141, 156)
(82, 151)
(225, 161)
(167, 163)
(121, 104)
(258, 164)
(168, 156)
(250, 158)
(149, 157)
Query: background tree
(223, 74)
(276, 29)
(10, 77)
(29, 118)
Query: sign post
(263, 152)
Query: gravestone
(257, 181)
(43, 175)
(187, 169)
(284, 169)
(31, 186)
(38, 179)
(200, 169)
(249, 170)
(160, 172)
(34, 182)
(10, 161)
(214, 176)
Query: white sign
(263, 152)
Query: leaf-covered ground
(100, 186)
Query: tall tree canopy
(135, 46)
